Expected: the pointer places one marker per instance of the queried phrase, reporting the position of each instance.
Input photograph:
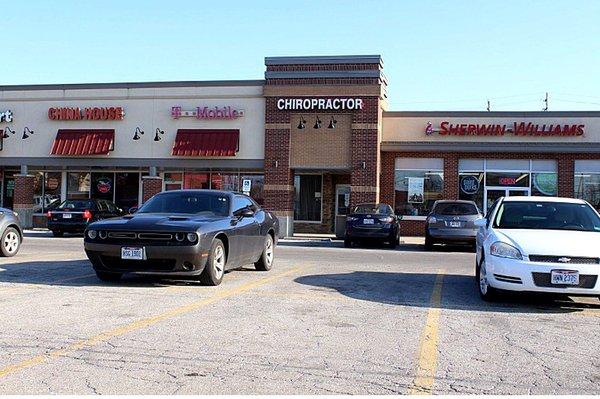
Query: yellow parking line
(141, 323)
(37, 285)
(427, 362)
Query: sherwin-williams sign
(516, 129)
(319, 104)
(226, 112)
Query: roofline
(325, 59)
(490, 114)
(134, 85)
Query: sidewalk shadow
(459, 292)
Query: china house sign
(89, 113)
(516, 128)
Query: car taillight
(351, 218)
(87, 214)
(49, 214)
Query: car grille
(145, 238)
(155, 236)
(578, 260)
(122, 234)
(154, 265)
(585, 281)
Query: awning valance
(76, 142)
(206, 142)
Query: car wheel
(11, 241)
(486, 292)
(393, 243)
(108, 276)
(347, 243)
(265, 262)
(215, 265)
(58, 233)
(428, 243)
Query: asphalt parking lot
(326, 319)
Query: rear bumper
(160, 260)
(452, 235)
(77, 227)
(375, 233)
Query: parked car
(539, 244)
(451, 222)
(375, 222)
(73, 216)
(198, 233)
(11, 233)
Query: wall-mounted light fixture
(25, 131)
(137, 133)
(6, 131)
(332, 123)
(302, 123)
(276, 163)
(158, 134)
(317, 123)
(363, 165)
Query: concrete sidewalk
(331, 237)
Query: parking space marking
(143, 323)
(428, 348)
(12, 289)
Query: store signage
(469, 185)
(89, 113)
(516, 129)
(246, 186)
(210, 113)
(546, 183)
(319, 104)
(507, 181)
(6, 116)
(416, 189)
(104, 185)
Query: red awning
(83, 142)
(206, 142)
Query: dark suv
(451, 222)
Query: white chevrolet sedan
(539, 244)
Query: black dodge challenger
(199, 233)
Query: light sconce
(302, 123)
(363, 165)
(6, 131)
(332, 123)
(25, 131)
(137, 134)
(157, 134)
(317, 123)
(276, 163)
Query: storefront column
(451, 177)
(387, 179)
(151, 185)
(566, 175)
(23, 199)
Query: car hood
(155, 222)
(553, 242)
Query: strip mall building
(308, 142)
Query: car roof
(455, 202)
(200, 190)
(544, 199)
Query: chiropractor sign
(319, 104)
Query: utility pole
(545, 103)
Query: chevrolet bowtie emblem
(564, 259)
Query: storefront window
(587, 187)
(544, 184)
(127, 188)
(196, 181)
(257, 187)
(307, 199)
(224, 181)
(507, 179)
(103, 186)
(78, 185)
(173, 181)
(417, 190)
(471, 187)
(46, 190)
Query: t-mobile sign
(210, 113)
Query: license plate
(368, 221)
(565, 277)
(132, 253)
(67, 216)
(455, 224)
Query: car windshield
(547, 216)
(204, 204)
(377, 209)
(76, 204)
(455, 209)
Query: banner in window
(416, 190)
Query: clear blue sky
(438, 55)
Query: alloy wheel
(219, 261)
(269, 250)
(483, 283)
(11, 242)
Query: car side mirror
(481, 222)
(133, 209)
(244, 213)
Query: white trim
(411, 217)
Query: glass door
(342, 208)
(493, 193)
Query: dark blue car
(372, 222)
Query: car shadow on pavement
(75, 273)
(407, 247)
(459, 292)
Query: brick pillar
(566, 175)
(451, 177)
(23, 199)
(151, 185)
(387, 179)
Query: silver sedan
(11, 233)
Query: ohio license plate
(454, 224)
(67, 216)
(132, 253)
(368, 221)
(565, 277)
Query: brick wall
(24, 191)
(150, 187)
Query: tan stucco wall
(148, 108)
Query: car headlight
(432, 220)
(92, 234)
(192, 237)
(504, 250)
(388, 219)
